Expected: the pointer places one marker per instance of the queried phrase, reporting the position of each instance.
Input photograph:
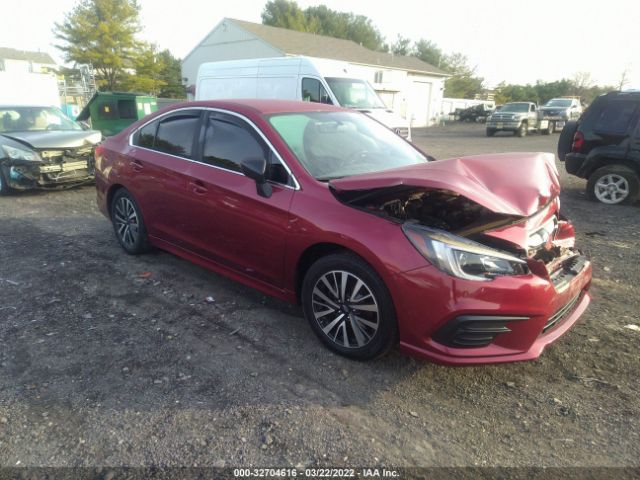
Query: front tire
(349, 307)
(523, 130)
(5, 189)
(128, 223)
(491, 132)
(613, 185)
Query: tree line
(104, 34)
(464, 81)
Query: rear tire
(566, 139)
(613, 185)
(128, 223)
(523, 130)
(349, 307)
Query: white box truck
(296, 78)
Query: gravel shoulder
(112, 360)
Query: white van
(295, 78)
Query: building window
(379, 76)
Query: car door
(231, 224)
(160, 156)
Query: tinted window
(615, 117)
(127, 109)
(146, 135)
(226, 144)
(313, 91)
(175, 134)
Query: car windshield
(352, 93)
(332, 145)
(20, 119)
(558, 102)
(515, 107)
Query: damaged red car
(460, 261)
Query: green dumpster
(111, 112)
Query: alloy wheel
(345, 309)
(611, 188)
(126, 221)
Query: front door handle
(198, 187)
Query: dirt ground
(112, 360)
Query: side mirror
(256, 169)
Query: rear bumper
(431, 301)
(574, 162)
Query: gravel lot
(113, 360)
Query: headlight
(460, 257)
(20, 153)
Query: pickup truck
(560, 110)
(519, 118)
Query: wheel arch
(314, 252)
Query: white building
(411, 87)
(19, 61)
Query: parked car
(517, 117)
(604, 147)
(476, 113)
(462, 261)
(560, 110)
(40, 147)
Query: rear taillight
(578, 142)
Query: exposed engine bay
(549, 248)
(440, 209)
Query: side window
(127, 109)
(615, 117)
(108, 111)
(175, 133)
(532, 108)
(313, 91)
(228, 141)
(226, 144)
(145, 137)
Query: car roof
(261, 106)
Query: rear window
(175, 134)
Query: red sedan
(461, 261)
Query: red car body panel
(216, 218)
(481, 178)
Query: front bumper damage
(56, 169)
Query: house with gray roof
(411, 87)
(21, 61)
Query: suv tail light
(578, 142)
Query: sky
(506, 40)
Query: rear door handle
(136, 166)
(198, 187)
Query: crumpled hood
(509, 183)
(56, 138)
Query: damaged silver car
(41, 148)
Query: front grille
(557, 318)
